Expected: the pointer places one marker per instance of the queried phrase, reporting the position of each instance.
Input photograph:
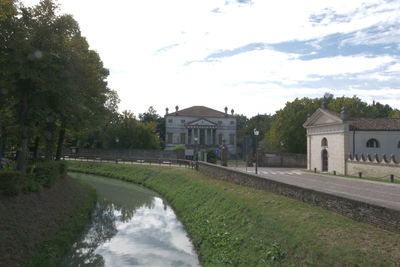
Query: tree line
(284, 132)
(53, 87)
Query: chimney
(343, 114)
(232, 111)
(176, 108)
(226, 110)
(166, 111)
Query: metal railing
(130, 160)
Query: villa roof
(200, 111)
(375, 124)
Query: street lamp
(116, 149)
(49, 136)
(256, 133)
(195, 148)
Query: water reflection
(130, 226)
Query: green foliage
(394, 113)
(131, 134)
(287, 133)
(12, 182)
(38, 175)
(46, 67)
(275, 253)
(211, 156)
(123, 172)
(179, 147)
(48, 172)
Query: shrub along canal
(130, 225)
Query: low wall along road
(383, 217)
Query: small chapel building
(200, 127)
(334, 140)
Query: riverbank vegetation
(37, 228)
(38, 175)
(231, 225)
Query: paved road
(382, 194)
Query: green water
(130, 226)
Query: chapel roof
(363, 124)
(200, 111)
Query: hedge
(38, 175)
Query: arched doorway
(324, 160)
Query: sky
(250, 56)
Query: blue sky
(252, 56)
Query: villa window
(169, 138)
(231, 139)
(372, 143)
(182, 138)
(169, 120)
(220, 136)
(183, 121)
(232, 122)
(324, 142)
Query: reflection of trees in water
(103, 228)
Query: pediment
(202, 123)
(322, 117)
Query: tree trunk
(60, 143)
(23, 144)
(49, 143)
(36, 148)
(1, 142)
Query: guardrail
(148, 161)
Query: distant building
(336, 142)
(200, 127)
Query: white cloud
(127, 34)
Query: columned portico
(202, 124)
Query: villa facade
(200, 127)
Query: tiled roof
(200, 111)
(369, 124)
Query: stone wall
(378, 216)
(283, 160)
(373, 166)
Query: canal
(130, 226)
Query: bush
(211, 156)
(179, 147)
(38, 175)
(47, 173)
(12, 182)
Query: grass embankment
(37, 228)
(231, 225)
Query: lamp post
(195, 148)
(256, 133)
(116, 149)
(49, 136)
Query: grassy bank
(232, 225)
(37, 228)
